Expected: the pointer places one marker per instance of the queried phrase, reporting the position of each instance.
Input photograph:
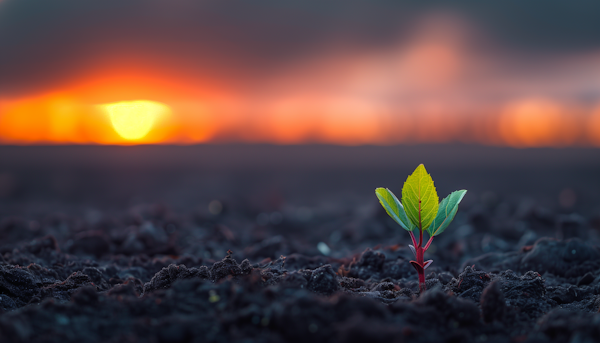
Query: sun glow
(435, 87)
(538, 122)
(132, 120)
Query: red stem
(421, 270)
(420, 251)
(428, 243)
(414, 240)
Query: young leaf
(419, 197)
(447, 209)
(394, 208)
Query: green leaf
(394, 208)
(446, 212)
(420, 198)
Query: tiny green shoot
(420, 210)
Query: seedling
(419, 209)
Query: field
(262, 243)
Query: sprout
(420, 210)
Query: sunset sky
(351, 73)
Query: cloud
(46, 44)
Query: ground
(289, 244)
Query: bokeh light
(537, 122)
(593, 127)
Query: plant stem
(420, 251)
(414, 240)
(421, 269)
(428, 243)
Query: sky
(511, 73)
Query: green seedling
(420, 210)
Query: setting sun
(133, 120)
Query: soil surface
(289, 244)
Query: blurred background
(295, 111)
(384, 72)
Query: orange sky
(434, 88)
(59, 118)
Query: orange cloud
(593, 127)
(538, 122)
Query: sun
(132, 120)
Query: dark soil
(162, 250)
